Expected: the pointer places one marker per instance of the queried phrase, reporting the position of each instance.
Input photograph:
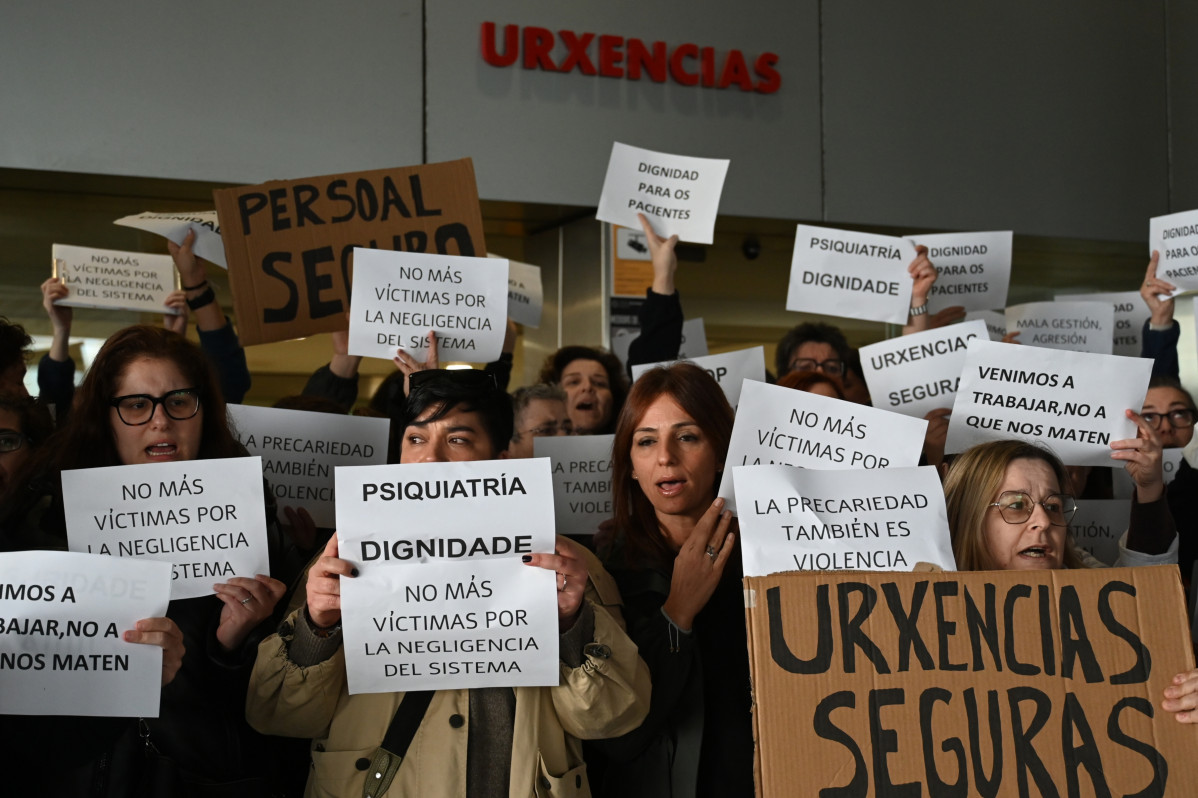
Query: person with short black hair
(14, 346)
(485, 742)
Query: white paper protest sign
(1175, 237)
(1122, 485)
(109, 278)
(855, 275)
(62, 650)
(915, 374)
(175, 226)
(797, 519)
(1130, 315)
(694, 339)
(777, 425)
(730, 369)
(300, 449)
(525, 300)
(397, 297)
(1097, 526)
(205, 517)
(1073, 402)
(679, 194)
(1069, 326)
(581, 467)
(442, 599)
(995, 321)
(973, 270)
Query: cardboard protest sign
(175, 226)
(680, 195)
(581, 467)
(995, 321)
(730, 369)
(855, 275)
(1070, 326)
(442, 601)
(399, 296)
(801, 519)
(694, 339)
(1097, 526)
(915, 374)
(1072, 402)
(109, 278)
(1130, 315)
(781, 425)
(300, 449)
(205, 517)
(1175, 237)
(973, 270)
(525, 300)
(289, 244)
(995, 683)
(63, 616)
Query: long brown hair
(972, 484)
(697, 393)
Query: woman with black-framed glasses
(151, 396)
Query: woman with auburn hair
(151, 396)
(812, 382)
(674, 559)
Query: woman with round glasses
(1008, 508)
(151, 396)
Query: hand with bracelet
(923, 277)
(200, 297)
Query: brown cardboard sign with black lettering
(997, 683)
(289, 243)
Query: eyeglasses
(11, 441)
(138, 408)
(548, 430)
(463, 378)
(1178, 419)
(833, 367)
(1016, 507)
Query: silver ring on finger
(562, 589)
(711, 553)
(246, 600)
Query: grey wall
(1045, 118)
(1051, 119)
(543, 136)
(219, 91)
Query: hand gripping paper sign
(1072, 402)
(1130, 315)
(973, 270)
(1069, 326)
(442, 599)
(730, 369)
(206, 517)
(1175, 237)
(915, 374)
(581, 466)
(109, 278)
(994, 683)
(300, 449)
(175, 227)
(855, 275)
(63, 616)
(399, 296)
(787, 427)
(800, 519)
(680, 195)
(290, 243)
